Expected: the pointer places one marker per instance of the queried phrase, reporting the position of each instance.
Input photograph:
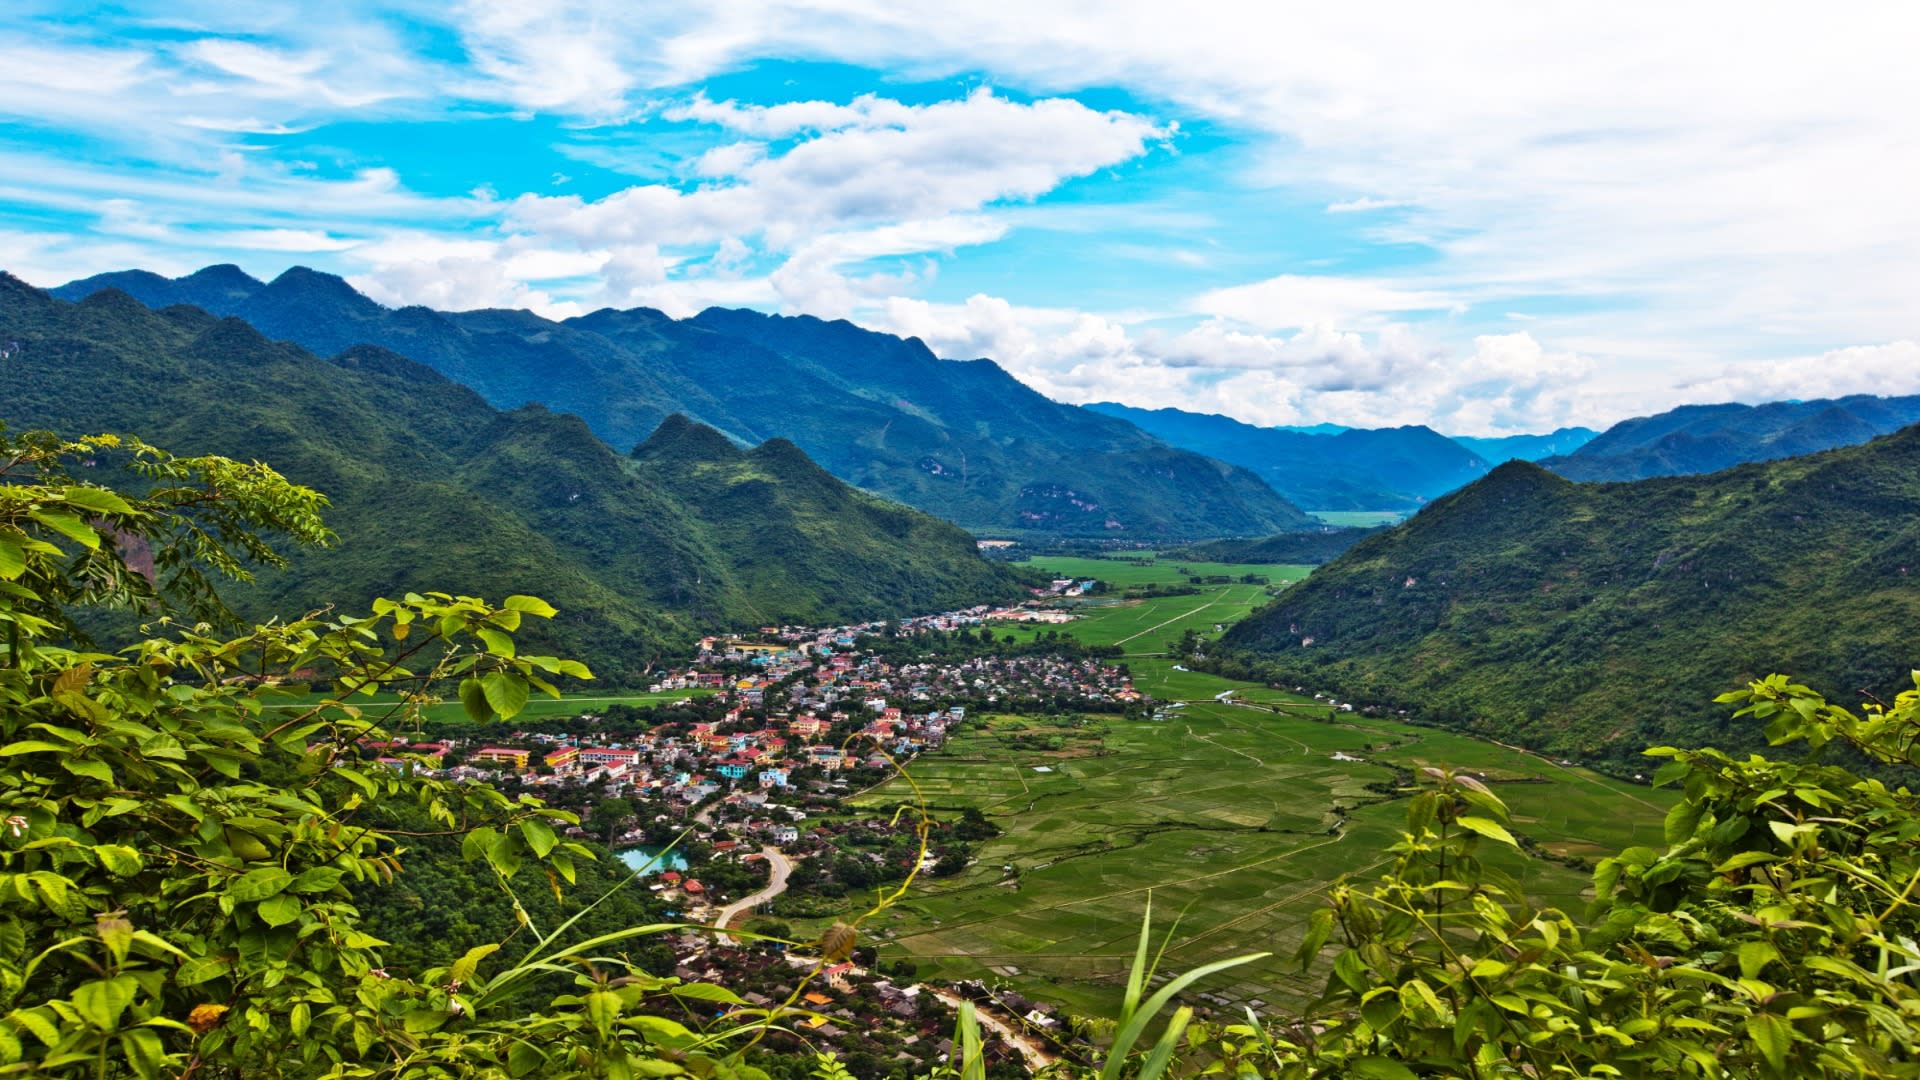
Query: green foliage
(1773, 937)
(1591, 620)
(1295, 548)
(179, 865)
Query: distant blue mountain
(1527, 447)
(1351, 469)
(1708, 438)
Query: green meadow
(1234, 816)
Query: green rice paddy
(1234, 816)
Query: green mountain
(1707, 438)
(1350, 469)
(1501, 448)
(434, 488)
(961, 439)
(1596, 619)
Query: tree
(182, 820)
(1774, 937)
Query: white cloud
(1294, 300)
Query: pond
(647, 860)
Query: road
(776, 885)
(1038, 1057)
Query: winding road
(777, 884)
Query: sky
(1485, 218)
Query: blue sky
(1485, 219)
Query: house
(734, 769)
(606, 755)
(786, 834)
(770, 778)
(564, 761)
(502, 755)
(694, 888)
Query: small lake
(638, 858)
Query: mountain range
(960, 439)
(1499, 448)
(1596, 619)
(1353, 469)
(434, 488)
(1707, 438)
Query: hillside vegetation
(1311, 548)
(431, 485)
(1706, 438)
(1594, 619)
(960, 439)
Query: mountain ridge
(961, 439)
(434, 488)
(1593, 619)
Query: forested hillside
(1596, 619)
(960, 439)
(1351, 469)
(432, 487)
(1310, 548)
(1706, 438)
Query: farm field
(1234, 814)
(1144, 627)
(1363, 519)
(538, 705)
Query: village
(726, 798)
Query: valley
(1233, 805)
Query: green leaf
(1773, 1037)
(523, 1058)
(1745, 859)
(144, 1051)
(603, 1008)
(279, 910)
(506, 692)
(299, 1018)
(101, 1002)
(1488, 828)
(13, 559)
(465, 967)
(539, 836)
(1683, 819)
(707, 992)
(474, 700)
(531, 605)
(69, 526)
(200, 969)
(316, 879)
(99, 500)
(88, 767)
(32, 746)
(498, 643)
(1755, 956)
(259, 884)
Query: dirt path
(776, 885)
(1192, 735)
(1038, 1057)
(1216, 599)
